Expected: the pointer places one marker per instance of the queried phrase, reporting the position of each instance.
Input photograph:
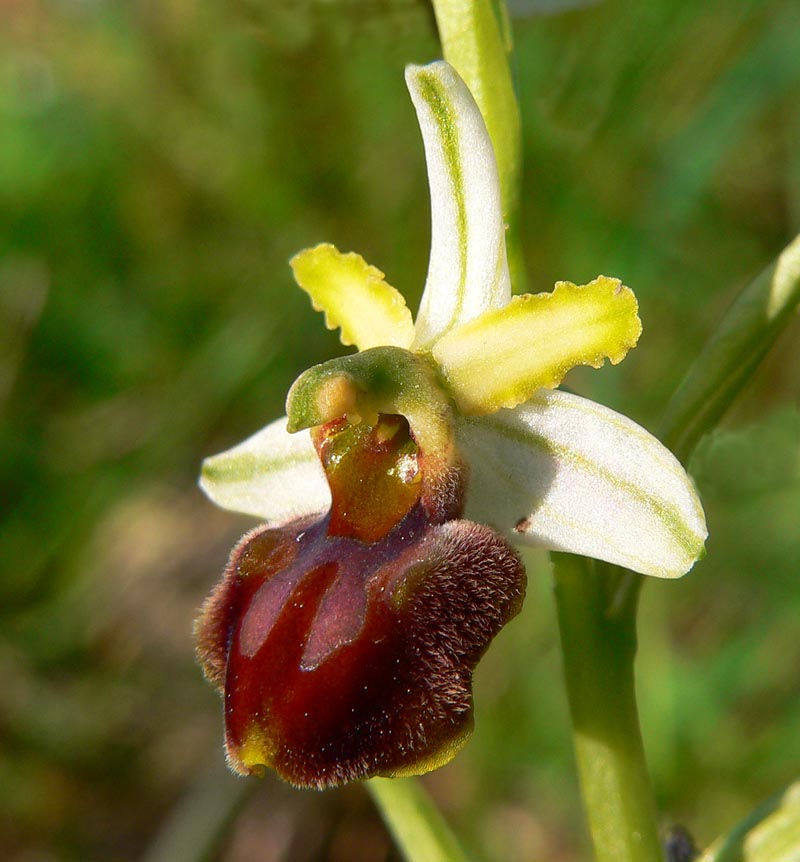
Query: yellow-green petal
(502, 357)
(354, 296)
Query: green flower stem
(599, 653)
(414, 822)
(476, 41)
(598, 659)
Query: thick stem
(599, 650)
(597, 603)
(416, 825)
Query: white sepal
(273, 475)
(468, 271)
(564, 473)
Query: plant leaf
(468, 271)
(502, 357)
(770, 834)
(564, 473)
(745, 335)
(273, 475)
(354, 297)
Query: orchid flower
(345, 630)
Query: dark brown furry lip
(339, 658)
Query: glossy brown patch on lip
(373, 473)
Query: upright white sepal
(468, 271)
(564, 473)
(273, 475)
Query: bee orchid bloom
(345, 630)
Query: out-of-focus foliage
(159, 164)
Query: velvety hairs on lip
(342, 658)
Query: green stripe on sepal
(354, 297)
(476, 41)
(502, 357)
(468, 271)
(564, 473)
(273, 475)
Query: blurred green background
(159, 164)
